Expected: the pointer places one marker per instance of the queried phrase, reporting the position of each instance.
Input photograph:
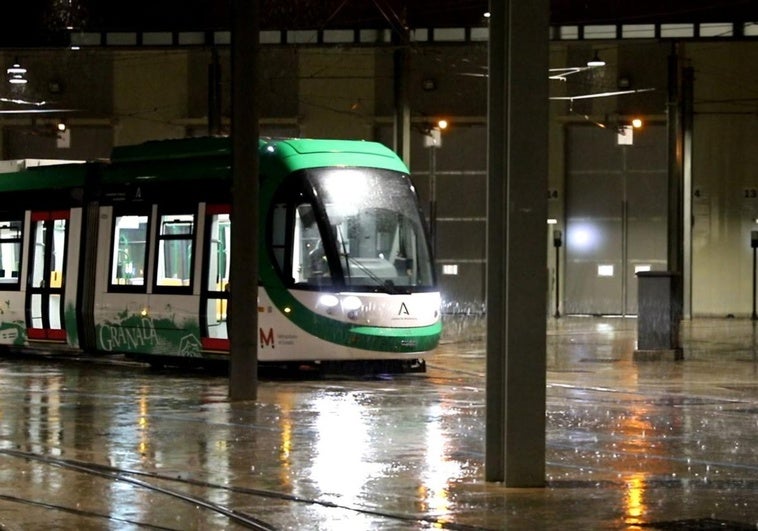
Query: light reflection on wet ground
(629, 444)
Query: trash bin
(658, 316)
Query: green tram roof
(301, 153)
(52, 177)
(210, 157)
(201, 159)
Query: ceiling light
(595, 61)
(16, 73)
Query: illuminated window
(218, 271)
(129, 251)
(175, 243)
(10, 253)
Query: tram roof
(49, 177)
(301, 153)
(210, 157)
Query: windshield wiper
(386, 284)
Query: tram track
(116, 474)
(237, 517)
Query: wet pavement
(630, 444)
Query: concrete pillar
(516, 253)
(243, 369)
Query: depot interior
(610, 136)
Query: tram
(132, 255)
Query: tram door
(616, 216)
(45, 281)
(216, 287)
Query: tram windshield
(375, 229)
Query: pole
(516, 250)
(243, 302)
(433, 199)
(557, 241)
(755, 315)
(754, 245)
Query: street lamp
(433, 141)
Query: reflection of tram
(133, 255)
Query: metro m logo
(267, 340)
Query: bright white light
(582, 237)
(346, 189)
(605, 270)
(639, 268)
(341, 441)
(328, 300)
(130, 222)
(450, 269)
(16, 74)
(595, 62)
(552, 221)
(351, 302)
(16, 69)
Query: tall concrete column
(402, 136)
(688, 124)
(675, 167)
(243, 334)
(516, 253)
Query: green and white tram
(132, 255)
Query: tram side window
(10, 253)
(220, 253)
(129, 251)
(279, 234)
(217, 275)
(309, 262)
(175, 250)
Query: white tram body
(133, 255)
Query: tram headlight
(328, 301)
(351, 303)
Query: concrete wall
(725, 180)
(126, 96)
(150, 91)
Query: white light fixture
(595, 61)
(16, 74)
